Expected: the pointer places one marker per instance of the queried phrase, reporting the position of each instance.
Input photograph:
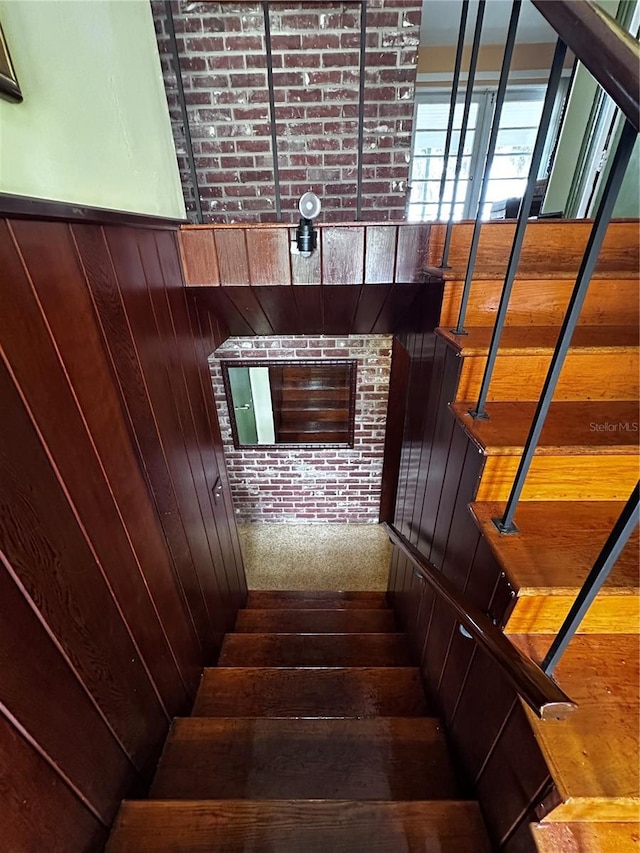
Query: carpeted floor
(315, 556)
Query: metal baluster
(612, 549)
(175, 56)
(361, 97)
(523, 216)
(500, 95)
(589, 260)
(272, 109)
(463, 128)
(454, 99)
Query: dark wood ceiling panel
(371, 303)
(308, 302)
(339, 303)
(248, 306)
(280, 308)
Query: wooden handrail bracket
(540, 692)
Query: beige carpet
(315, 556)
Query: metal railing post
(606, 560)
(589, 260)
(272, 109)
(495, 127)
(471, 76)
(523, 216)
(175, 56)
(453, 101)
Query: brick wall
(316, 76)
(324, 485)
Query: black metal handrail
(608, 51)
(535, 687)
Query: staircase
(585, 468)
(311, 735)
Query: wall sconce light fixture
(306, 237)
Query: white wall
(93, 127)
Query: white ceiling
(441, 20)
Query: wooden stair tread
(313, 692)
(548, 561)
(592, 755)
(315, 650)
(290, 826)
(558, 545)
(568, 430)
(602, 837)
(541, 340)
(315, 621)
(260, 758)
(303, 599)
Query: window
(519, 122)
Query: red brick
(207, 44)
(242, 43)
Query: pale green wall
(93, 127)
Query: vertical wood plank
(225, 567)
(133, 287)
(39, 811)
(199, 258)
(412, 252)
(179, 403)
(49, 553)
(306, 270)
(396, 407)
(143, 427)
(380, 254)
(233, 262)
(342, 255)
(31, 666)
(224, 511)
(126, 539)
(268, 255)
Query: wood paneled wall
(362, 279)
(256, 255)
(439, 472)
(119, 571)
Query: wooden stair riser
(561, 478)
(552, 249)
(544, 614)
(350, 621)
(600, 837)
(585, 376)
(238, 826)
(315, 650)
(284, 599)
(543, 302)
(381, 759)
(300, 692)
